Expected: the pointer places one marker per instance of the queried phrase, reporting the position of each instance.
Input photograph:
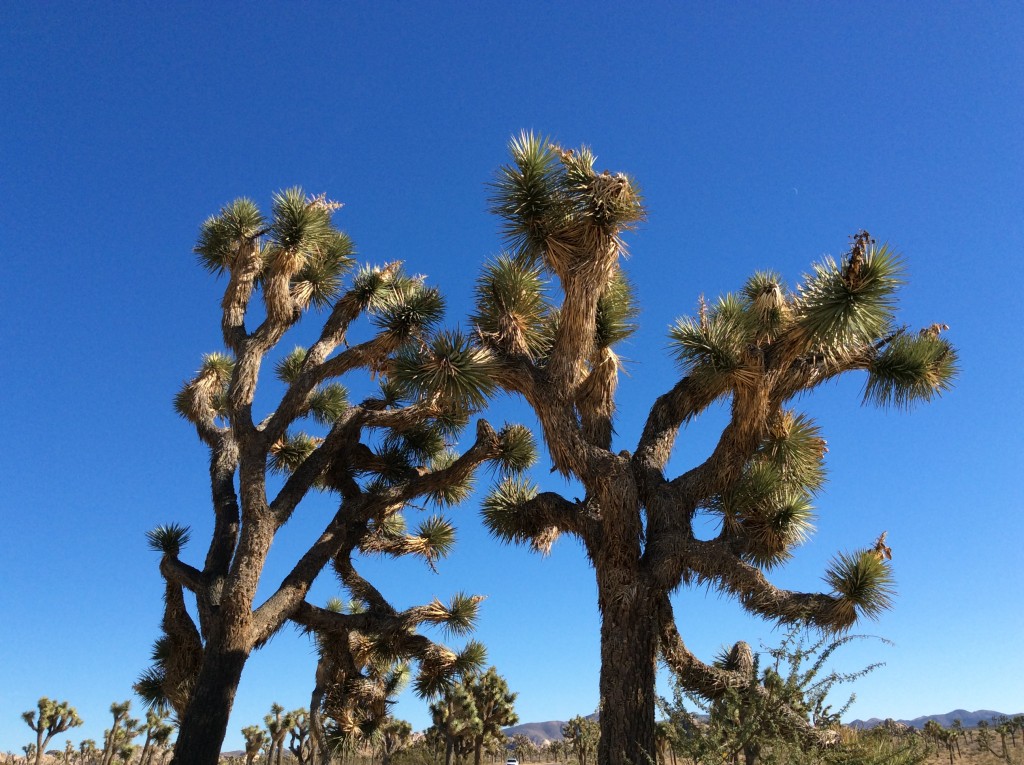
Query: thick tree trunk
(206, 721)
(629, 645)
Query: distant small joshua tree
(47, 720)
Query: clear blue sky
(763, 136)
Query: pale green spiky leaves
(501, 509)
(852, 302)
(291, 451)
(434, 539)
(168, 538)
(616, 310)
(449, 368)
(299, 222)
(317, 283)
(511, 312)
(550, 198)
(526, 193)
(518, 450)
(204, 396)
(911, 369)
(769, 507)
(406, 308)
(863, 583)
(222, 235)
(715, 343)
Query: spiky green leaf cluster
(501, 509)
(715, 344)
(289, 368)
(850, 302)
(290, 452)
(423, 442)
(297, 223)
(911, 369)
(221, 235)
(863, 583)
(518, 450)
(616, 310)
(511, 312)
(318, 281)
(327, 403)
(436, 536)
(409, 309)
(526, 194)
(462, 614)
(169, 538)
(549, 194)
(449, 368)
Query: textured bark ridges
(759, 350)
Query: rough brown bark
(629, 645)
(206, 720)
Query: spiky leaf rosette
(863, 584)
(328, 403)
(616, 310)
(796, 450)
(222, 235)
(911, 369)
(409, 309)
(318, 280)
(472, 659)
(773, 529)
(715, 343)
(767, 304)
(450, 369)
(451, 493)
(502, 506)
(289, 368)
(518, 450)
(433, 540)
(291, 451)
(169, 538)
(852, 302)
(436, 672)
(510, 309)
(150, 688)
(527, 195)
(202, 398)
(299, 228)
(423, 442)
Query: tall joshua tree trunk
(206, 719)
(629, 645)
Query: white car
(511, 761)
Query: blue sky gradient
(763, 136)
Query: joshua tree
(523, 747)
(278, 724)
(299, 742)
(255, 739)
(581, 737)
(47, 720)
(158, 732)
(393, 736)
(494, 708)
(121, 733)
(373, 457)
(759, 350)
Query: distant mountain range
(967, 719)
(541, 732)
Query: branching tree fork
(375, 457)
(758, 350)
